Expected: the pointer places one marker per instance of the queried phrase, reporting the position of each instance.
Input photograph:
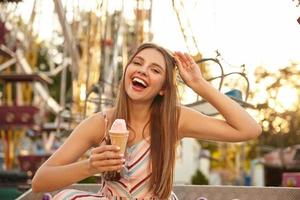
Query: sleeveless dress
(134, 184)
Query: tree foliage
(278, 96)
(199, 179)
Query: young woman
(148, 101)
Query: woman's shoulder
(106, 114)
(95, 125)
(183, 110)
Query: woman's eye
(155, 71)
(136, 63)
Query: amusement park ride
(94, 50)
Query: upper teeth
(140, 81)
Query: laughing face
(145, 76)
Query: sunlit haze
(247, 32)
(251, 33)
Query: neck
(139, 112)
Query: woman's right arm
(63, 168)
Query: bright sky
(251, 32)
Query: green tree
(199, 179)
(277, 96)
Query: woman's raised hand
(188, 69)
(106, 158)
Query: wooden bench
(193, 192)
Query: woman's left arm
(238, 124)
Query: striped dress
(134, 184)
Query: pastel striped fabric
(134, 184)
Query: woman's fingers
(188, 68)
(110, 168)
(178, 62)
(107, 163)
(184, 61)
(100, 166)
(190, 60)
(104, 148)
(106, 158)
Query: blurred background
(61, 61)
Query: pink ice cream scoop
(119, 125)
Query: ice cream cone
(119, 134)
(119, 139)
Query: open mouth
(139, 83)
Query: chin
(139, 99)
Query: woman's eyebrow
(139, 57)
(155, 64)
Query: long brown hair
(163, 124)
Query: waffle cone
(119, 139)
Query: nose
(142, 70)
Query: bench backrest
(194, 192)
